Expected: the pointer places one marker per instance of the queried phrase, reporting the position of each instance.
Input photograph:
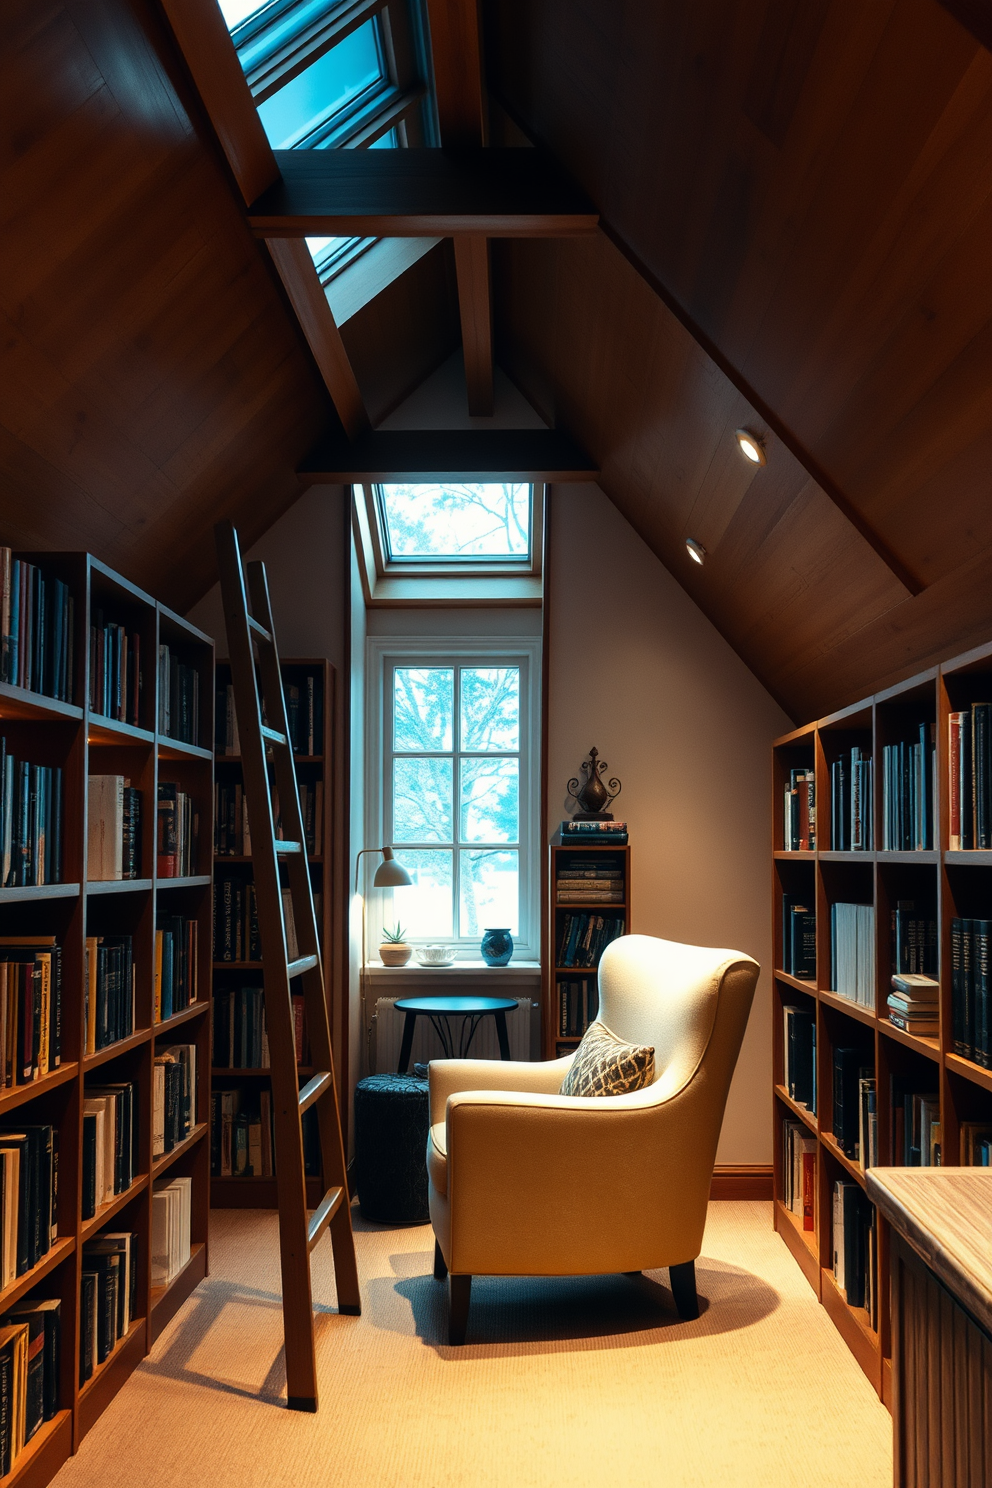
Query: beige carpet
(572, 1382)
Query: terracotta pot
(395, 953)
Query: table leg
(504, 1042)
(407, 1045)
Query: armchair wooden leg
(683, 1280)
(459, 1291)
(440, 1268)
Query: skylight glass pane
(457, 521)
(236, 11)
(323, 88)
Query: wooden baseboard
(741, 1181)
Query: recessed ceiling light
(696, 550)
(751, 446)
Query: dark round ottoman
(392, 1117)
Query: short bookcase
(556, 1041)
(83, 742)
(957, 883)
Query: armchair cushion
(606, 1065)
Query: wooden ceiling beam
(205, 43)
(449, 454)
(476, 310)
(456, 48)
(291, 257)
(420, 194)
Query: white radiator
(427, 1045)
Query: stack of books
(799, 1048)
(113, 828)
(969, 778)
(908, 792)
(241, 1143)
(236, 936)
(800, 812)
(798, 938)
(852, 793)
(303, 709)
(594, 833)
(799, 1171)
(914, 938)
(108, 1009)
(175, 984)
(578, 1006)
(852, 952)
(914, 1124)
(171, 1214)
(110, 1143)
(970, 990)
(30, 822)
(582, 938)
(588, 880)
(174, 1096)
(913, 1003)
(108, 1296)
(116, 683)
(178, 698)
(30, 1336)
(36, 629)
(178, 831)
(30, 1008)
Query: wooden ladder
(257, 680)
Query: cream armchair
(526, 1182)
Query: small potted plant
(394, 950)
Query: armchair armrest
(449, 1076)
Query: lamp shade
(390, 873)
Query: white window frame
(383, 653)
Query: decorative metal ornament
(592, 796)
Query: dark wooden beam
(203, 38)
(475, 307)
(296, 270)
(456, 48)
(449, 454)
(420, 194)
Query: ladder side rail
(301, 1367)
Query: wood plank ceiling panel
(154, 377)
(807, 180)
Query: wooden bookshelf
(949, 884)
(81, 741)
(557, 977)
(249, 1190)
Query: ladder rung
(288, 847)
(322, 1215)
(314, 1089)
(273, 736)
(298, 967)
(259, 630)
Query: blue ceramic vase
(497, 947)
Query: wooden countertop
(946, 1215)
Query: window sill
(525, 974)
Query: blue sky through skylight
(322, 88)
(463, 520)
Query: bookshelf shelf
(119, 886)
(114, 1050)
(198, 881)
(113, 1206)
(139, 1325)
(160, 1164)
(62, 1249)
(174, 749)
(101, 730)
(941, 887)
(311, 718)
(166, 1301)
(185, 1015)
(45, 1453)
(22, 895)
(18, 1095)
(570, 992)
(18, 702)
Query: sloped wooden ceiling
(154, 379)
(797, 237)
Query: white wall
(637, 670)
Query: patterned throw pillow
(605, 1065)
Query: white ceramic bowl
(436, 955)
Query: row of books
(109, 991)
(30, 1342)
(582, 938)
(110, 1143)
(588, 880)
(914, 938)
(594, 833)
(30, 821)
(800, 812)
(178, 832)
(172, 1208)
(241, 1142)
(799, 1055)
(240, 1037)
(908, 769)
(232, 833)
(113, 829)
(912, 1004)
(976, 1144)
(108, 1296)
(852, 794)
(30, 1008)
(304, 715)
(969, 778)
(855, 1247)
(29, 1195)
(852, 952)
(236, 935)
(799, 1171)
(855, 1115)
(970, 940)
(176, 979)
(178, 698)
(173, 1096)
(36, 629)
(116, 679)
(798, 938)
(578, 1006)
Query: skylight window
(319, 93)
(236, 12)
(458, 523)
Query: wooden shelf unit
(82, 742)
(248, 1190)
(555, 1042)
(951, 883)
